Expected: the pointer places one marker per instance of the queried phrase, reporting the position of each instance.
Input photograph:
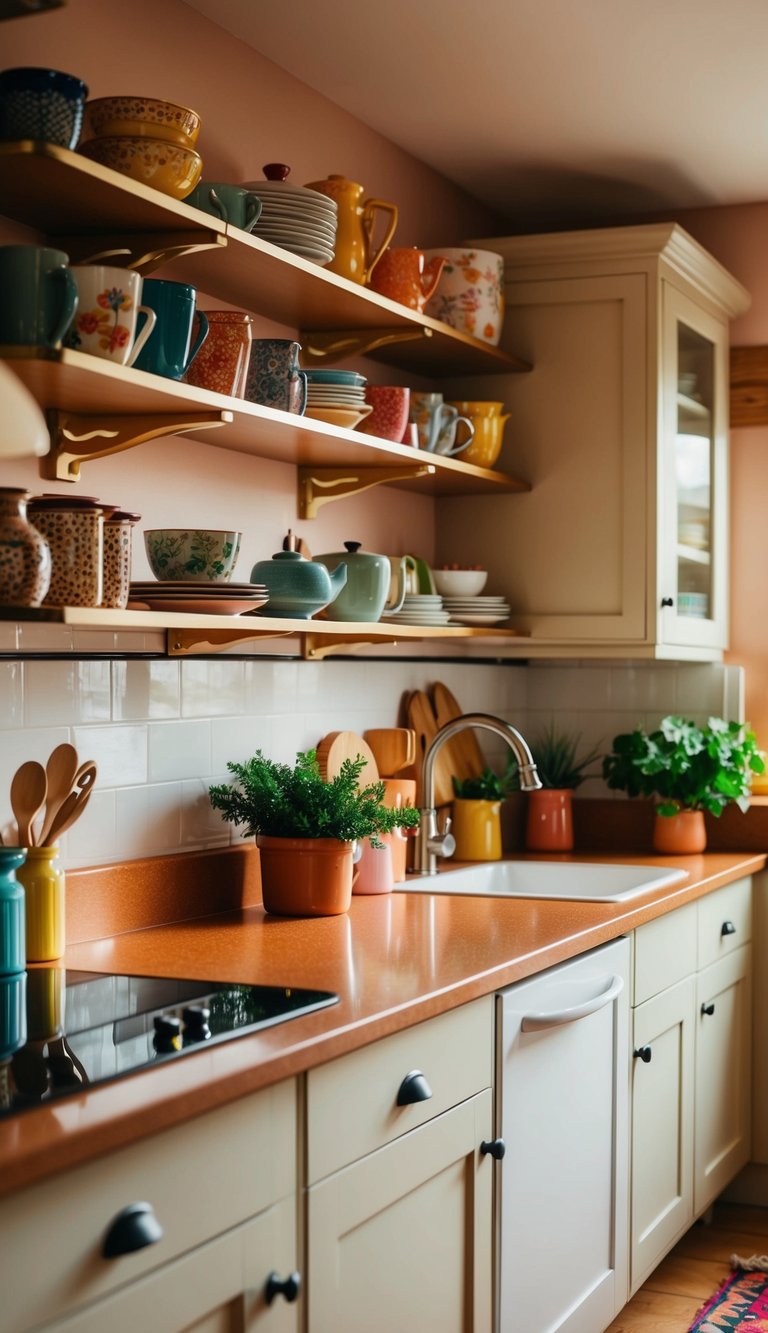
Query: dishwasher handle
(541, 1021)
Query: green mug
(232, 203)
(39, 296)
(167, 350)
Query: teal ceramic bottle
(12, 936)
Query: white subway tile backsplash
(700, 690)
(11, 679)
(213, 688)
(145, 690)
(120, 753)
(201, 825)
(93, 838)
(8, 637)
(50, 693)
(148, 819)
(238, 738)
(179, 749)
(42, 638)
(645, 687)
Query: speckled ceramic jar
(74, 530)
(118, 543)
(25, 559)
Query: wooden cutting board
(337, 746)
(467, 758)
(394, 748)
(421, 718)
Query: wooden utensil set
(59, 792)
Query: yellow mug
(477, 830)
(488, 421)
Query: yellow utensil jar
(477, 830)
(43, 883)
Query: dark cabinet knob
(287, 1287)
(643, 1053)
(708, 1009)
(133, 1229)
(667, 601)
(495, 1149)
(414, 1088)
(727, 928)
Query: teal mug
(232, 203)
(39, 296)
(169, 349)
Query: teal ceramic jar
(13, 955)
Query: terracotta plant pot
(681, 834)
(306, 876)
(549, 824)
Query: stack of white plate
(477, 610)
(300, 220)
(202, 599)
(337, 396)
(420, 609)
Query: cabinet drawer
(352, 1102)
(725, 921)
(201, 1178)
(665, 952)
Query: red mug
(402, 275)
(222, 362)
(389, 418)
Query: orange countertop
(394, 960)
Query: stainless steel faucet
(431, 842)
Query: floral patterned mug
(471, 293)
(107, 311)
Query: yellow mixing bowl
(156, 162)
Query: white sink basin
(582, 882)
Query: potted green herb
(477, 816)
(306, 828)
(561, 769)
(688, 770)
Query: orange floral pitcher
(355, 254)
(402, 275)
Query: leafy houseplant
(689, 769)
(561, 769)
(295, 813)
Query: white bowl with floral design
(192, 555)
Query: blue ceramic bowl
(41, 104)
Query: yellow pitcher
(355, 256)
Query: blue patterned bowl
(41, 104)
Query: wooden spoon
(74, 805)
(28, 792)
(61, 770)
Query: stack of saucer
(337, 396)
(420, 609)
(300, 220)
(477, 610)
(202, 599)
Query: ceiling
(546, 110)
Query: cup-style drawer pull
(414, 1088)
(134, 1228)
(727, 928)
(708, 1009)
(287, 1287)
(643, 1053)
(496, 1148)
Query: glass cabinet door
(694, 473)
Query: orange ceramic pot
(306, 876)
(681, 834)
(402, 275)
(549, 824)
(222, 362)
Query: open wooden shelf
(97, 208)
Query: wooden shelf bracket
(314, 647)
(193, 642)
(143, 252)
(317, 346)
(76, 439)
(321, 485)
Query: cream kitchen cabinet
(690, 1075)
(212, 1210)
(622, 429)
(400, 1171)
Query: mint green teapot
(297, 587)
(366, 593)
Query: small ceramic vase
(402, 275)
(477, 830)
(25, 557)
(13, 953)
(222, 362)
(549, 823)
(74, 530)
(681, 834)
(118, 543)
(375, 873)
(42, 878)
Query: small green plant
(488, 786)
(284, 802)
(686, 767)
(557, 760)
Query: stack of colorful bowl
(149, 140)
(337, 396)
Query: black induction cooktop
(62, 1031)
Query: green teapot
(297, 587)
(375, 584)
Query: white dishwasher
(562, 1061)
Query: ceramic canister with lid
(74, 530)
(25, 558)
(118, 543)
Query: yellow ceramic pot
(489, 422)
(477, 829)
(42, 878)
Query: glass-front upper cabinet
(694, 475)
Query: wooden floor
(669, 1300)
